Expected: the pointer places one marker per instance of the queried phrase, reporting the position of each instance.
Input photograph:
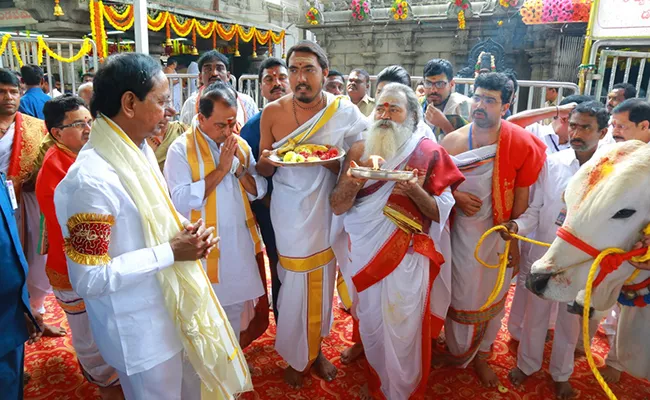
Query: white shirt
(189, 108)
(547, 134)
(238, 271)
(125, 304)
(609, 136)
(6, 144)
(546, 210)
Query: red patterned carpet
(56, 376)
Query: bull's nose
(575, 308)
(536, 283)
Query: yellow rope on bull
(503, 260)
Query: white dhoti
(302, 219)
(391, 311)
(93, 366)
(467, 330)
(38, 284)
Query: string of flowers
(117, 21)
(313, 16)
(86, 47)
(360, 9)
(97, 27)
(14, 49)
(555, 11)
(508, 3)
(477, 66)
(5, 40)
(461, 19)
(159, 22)
(399, 9)
(461, 8)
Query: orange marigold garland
(182, 29)
(97, 28)
(156, 24)
(461, 8)
(121, 21)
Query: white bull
(608, 205)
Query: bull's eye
(624, 213)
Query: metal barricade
(183, 86)
(536, 90)
(616, 58)
(69, 73)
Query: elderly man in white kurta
(393, 228)
(211, 175)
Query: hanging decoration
(477, 66)
(508, 3)
(159, 22)
(86, 47)
(237, 46)
(555, 11)
(3, 44)
(313, 16)
(399, 9)
(360, 9)
(462, 8)
(97, 28)
(121, 21)
(14, 49)
(58, 11)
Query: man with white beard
(393, 230)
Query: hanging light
(58, 11)
(195, 52)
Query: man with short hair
(631, 121)
(214, 66)
(274, 81)
(445, 110)
(32, 102)
(335, 83)
(170, 68)
(357, 87)
(550, 101)
(68, 123)
(211, 176)
(500, 161)
(56, 89)
(392, 262)
(85, 91)
(300, 203)
(513, 85)
(87, 77)
(619, 93)
(545, 214)
(133, 258)
(170, 131)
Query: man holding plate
(306, 235)
(395, 234)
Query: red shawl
(28, 135)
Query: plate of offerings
(306, 155)
(376, 173)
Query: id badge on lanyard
(10, 191)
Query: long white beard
(385, 138)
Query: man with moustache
(394, 228)
(500, 161)
(358, 87)
(619, 93)
(444, 110)
(300, 204)
(545, 214)
(214, 66)
(133, 259)
(68, 123)
(274, 83)
(335, 83)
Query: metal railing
(183, 86)
(536, 90)
(629, 58)
(69, 73)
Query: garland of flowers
(226, 35)
(182, 29)
(14, 49)
(508, 3)
(461, 8)
(399, 9)
(313, 16)
(205, 31)
(121, 22)
(360, 9)
(97, 27)
(477, 66)
(5, 40)
(86, 47)
(246, 36)
(555, 11)
(156, 24)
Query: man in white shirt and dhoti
(545, 214)
(300, 208)
(500, 161)
(213, 66)
(211, 176)
(133, 259)
(396, 266)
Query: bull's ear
(624, 213)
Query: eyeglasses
(77, 125)
(438, 84)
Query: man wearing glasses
(444, 109)
(68, 123)
(214, 66)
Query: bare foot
(610, 374)
(324, 368)
(53, 331)
(111, 393)
(564, 391)
(485, 373)
(350, 354)
(517, 376)
(293, 378)
(365, 393)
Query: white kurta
(238, 270)
(124, 301)
(390, 312)
(545, 214)
(243, 114)
(302, 220)
(471, 282)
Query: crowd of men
(152, 232)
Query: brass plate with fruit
(306, 155)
